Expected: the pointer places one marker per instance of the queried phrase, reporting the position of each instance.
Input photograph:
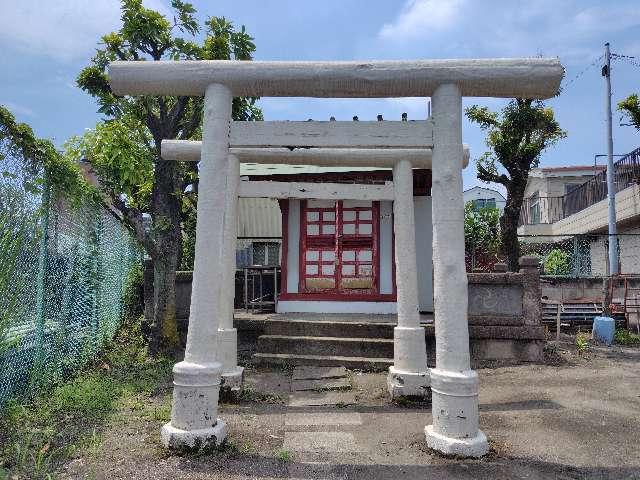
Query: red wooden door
(339, 253)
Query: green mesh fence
(572, 256)
(63, 271)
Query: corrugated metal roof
(259, 217)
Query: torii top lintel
(501, 77)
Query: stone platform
(366, 342)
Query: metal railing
(540, 210)
(257, 287)
(626, 172)
(537, 210)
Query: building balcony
(545, 215)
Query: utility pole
(611, 187)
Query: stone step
(358, 363)
(329, 346)
(317, 373)
(322, 399)
(319, 385)
(318, 328)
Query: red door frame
(336, 294)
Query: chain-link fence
(567, 255)
(63, 272)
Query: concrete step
(359, 363)
(318, 328)
(330, 346)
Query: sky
(44, 44)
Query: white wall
(595, 217)
(424, 252)
(386, 247)
(293, 247)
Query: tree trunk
(165, 211)
(164, 333)
(510, 246)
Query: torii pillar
(232, 374)
(454, 386)
(409, 375)
(194, 413)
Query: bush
(557, 263)
(625, 337)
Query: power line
(582, 72)
(626, 58)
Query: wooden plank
(319, 191)
(388, 134)
(487, 77)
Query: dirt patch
(573, 417)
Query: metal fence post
(95, 278)
(36, 372)
(576, 271)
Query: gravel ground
(576, 416)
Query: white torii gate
(409, 375)
(454, 385)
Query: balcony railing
(541, 210)
(537, 210)
(626, 172)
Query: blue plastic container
(604, 329)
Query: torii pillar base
(408, 384)
(459, 447)
(203, 439)
(232, 377)
(454, 408)
(194, 421)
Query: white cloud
(418, 16)
(574, 30)
(19, 109)
(62, 29)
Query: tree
(481, 237)
(630, 108)
(125, 150)
(516, 137)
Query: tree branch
(487, 176)
(175, 115)
(133, 219)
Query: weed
(249, 394)
(228, 447)
(37, 435)
(582, 342)
(283, 455)
(625, 337)
(247, 447)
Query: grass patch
(283, 455)
(38, 435)
(625, 337)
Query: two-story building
(484, 197)
(563, 202)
